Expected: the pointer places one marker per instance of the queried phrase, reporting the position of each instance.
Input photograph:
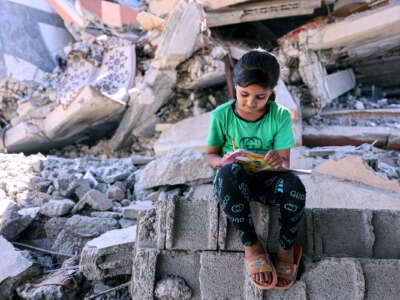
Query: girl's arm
(278, 158)
(214, 156)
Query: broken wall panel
(262, 10)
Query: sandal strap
(286, 270)
(258, 264)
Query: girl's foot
(287, 257)
(264, 278)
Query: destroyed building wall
(32, 36)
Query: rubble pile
(120, 204)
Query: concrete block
(387, 236)
(133, 211)
(146, 234)
(381, 278)
(57, 208)
(227, 236)
(108, 255)
(297, 292)
(335, 278)
(192, 224)
(343, 232)
(151, 266)
(223, 276)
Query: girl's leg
(234, 196)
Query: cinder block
(223, 276)
(387, 234)
(192, 224)
(296, 292)
(343, 232)
(335, 278)
(146, 232)
(227, 236)
(381, 278)
(152, 265)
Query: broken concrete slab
(87, 117)
(15, 269)
(57, 208)
(108, 255)
(353, 168)
(188, 133)
(331, 226)
(381, 278)
(80, 229)
(369, 25)
(250, 12)
(144, 103)
(180, 35)
(177, 167)
(335, 278)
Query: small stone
(172, 288)
(359, 105)
(114, 192)
(82, 187)
(125, 202)
(94, 199)
(57, 208)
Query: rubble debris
(180, 36)
(249, 12)
(172, 288)
(15, 269)
(80, 229)
(108, 14)
(95, 200)
(177, 167)
(133, 211)
(109, 254)
(162, 8)
(150, 22)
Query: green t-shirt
(273, 131)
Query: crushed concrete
(172, 288)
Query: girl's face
(251, 100)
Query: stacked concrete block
(387, 236)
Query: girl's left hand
(273, 159)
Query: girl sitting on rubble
(255, 122)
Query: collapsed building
(97, 80)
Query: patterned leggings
(235, 189)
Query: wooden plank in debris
(370, 25)
(262, 10)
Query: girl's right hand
(227, 154)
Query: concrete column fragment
(333, 227)
(108, 255)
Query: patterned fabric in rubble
(106, 63)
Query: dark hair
(257, 67)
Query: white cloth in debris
(106, 63)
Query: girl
(256, 123)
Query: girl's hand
(219, 165)
(274, 159)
